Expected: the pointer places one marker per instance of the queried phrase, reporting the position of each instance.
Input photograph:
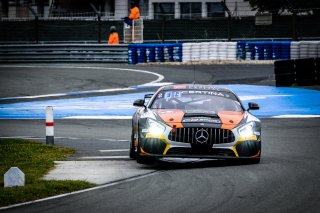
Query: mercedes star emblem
(202, 136)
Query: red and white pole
(49, 125)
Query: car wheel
(132, 152)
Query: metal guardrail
(100, 53)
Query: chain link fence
(235, 24)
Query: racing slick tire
(132, 152)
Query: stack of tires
(195, 52)
(241, 46)
(177, 52)
(141, 54)
(158, 53)
(285, 50)
(132, 54)
(186, 52)
(204, 51)
(295, 50)
(267, 50)
(213, 50)
(150, 53)
(168, 52)
(284, 73)
(305, 71)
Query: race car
(194, 121)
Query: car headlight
(154, 129)
(247, 130)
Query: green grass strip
(35, 160)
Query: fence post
(229, 18)
(294, 26)
(49, 125)
(229, 27)
(98, 13)
(36, 24)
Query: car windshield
(196, 100)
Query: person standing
(134, 13)
(114, 36)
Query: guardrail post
(49, 125)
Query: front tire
(132, 152)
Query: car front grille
(202, 136)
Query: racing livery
(197, 121)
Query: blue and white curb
(274, 102)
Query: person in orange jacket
(114, 36)
(134, 13)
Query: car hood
(181, 118)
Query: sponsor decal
(201, 119)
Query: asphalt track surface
(286, 180)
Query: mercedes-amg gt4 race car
(194, 121)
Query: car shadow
(197, 163)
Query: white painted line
(100, 117)
(159, 79)
(65, 94)
(104, 157)
(114, 150)
(22, 137)
(82, 191)
(296, 116)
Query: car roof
(195, 87)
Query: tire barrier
(266, 50)
(284, 73)
(146, 53)
(303, 72)
(210, 51)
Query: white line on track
(159, 79)
(67, 138)
(103, 157)
(114, 150)
(296, 116)
(82, 191)
(100, 117)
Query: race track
(286, 180)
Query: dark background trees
(311, 7)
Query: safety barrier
(171, 52)
(304, 72)
(64, 53)
(142, 53)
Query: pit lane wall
(208, 51)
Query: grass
(35, 160)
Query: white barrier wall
(205, 51)
(305, 49)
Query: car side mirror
(253, 106)
(139, 103)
